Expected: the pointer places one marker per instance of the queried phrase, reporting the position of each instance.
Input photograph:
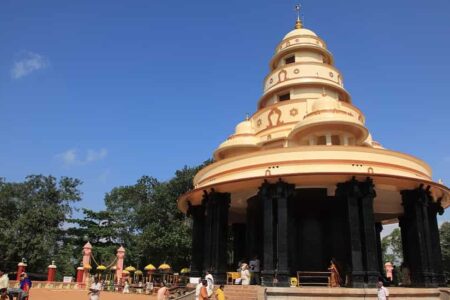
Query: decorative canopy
(101, 268)
(149, 267)
(130, 269)
(164, 267)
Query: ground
(47, 294)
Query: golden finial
(298, 23)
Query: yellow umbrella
(164, 267)
(130, 269)
(125, 272)
(138, 272)
(101, 268)
(87, 266)
(149, 267)
(185, 270)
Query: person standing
(126, 287)
(94, 290)
(25, 285)
(220, 295)
(245, 274)
(382, 292)
(335, 278)
(198, 288)
(255, 270)
(163, 293)
(204, 291)
(4, 284)
(210, 282)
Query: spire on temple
(298, 23)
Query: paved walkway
(45, 294)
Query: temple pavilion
(302, 181)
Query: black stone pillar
(416, 237)
(220, 236)
(435, 208)
(268, 271)
(379, 228)
(283, 192)
(350, 193)
(216, 234)
(276, 232)
(209, 219)
(197, 213)
(369, 236)
(239, 231)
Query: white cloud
(93, 155)
(71, 157)
(27, 64)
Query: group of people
(21, 293)
(205, 289)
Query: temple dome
(245, 127)
(300, 31)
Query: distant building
(302, 181)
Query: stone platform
(313, 293)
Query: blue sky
(107, 91)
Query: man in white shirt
(4, 284)
(382, 292)
(95, 289)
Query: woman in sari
(335, 280)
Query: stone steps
(241, 292)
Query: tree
(391, 246)
(101, 230)
(125, 204)
(444, 233)
(33, 213)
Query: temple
(302, 181)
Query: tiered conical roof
(302, 74)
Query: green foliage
(391, 246)
(33, 213)
(100, 229)
(444, 233)
(36, 223)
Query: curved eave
(307, 127)
(312, 179)
(317, 150)
(225, 148)
(286, 51)
(306, 82)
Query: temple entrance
(311, 227)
